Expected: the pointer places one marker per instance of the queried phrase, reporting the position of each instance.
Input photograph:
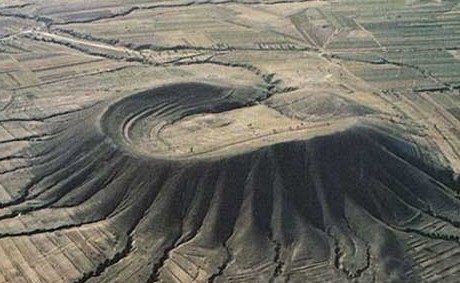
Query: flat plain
(229, 141)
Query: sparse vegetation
(229, 141)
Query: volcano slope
(359, 204)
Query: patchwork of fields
(229, 141)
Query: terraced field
(229, 141)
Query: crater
(197, 120)
(137, 122)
